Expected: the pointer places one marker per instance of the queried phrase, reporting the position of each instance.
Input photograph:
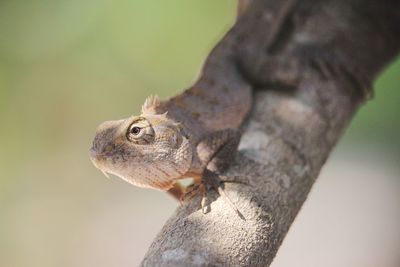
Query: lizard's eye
(136, 130)
(140, 132)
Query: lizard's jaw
(141, 176)
(103, 163)
(97, 161)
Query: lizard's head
(147, 150)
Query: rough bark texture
(309, 79)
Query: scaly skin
(156, 148)
(193, 134)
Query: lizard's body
(190, 135)
(185, 139)
(203, 114)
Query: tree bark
(310, 75)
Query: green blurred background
(66, 66)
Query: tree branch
(314, 74)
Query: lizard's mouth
(95, 157)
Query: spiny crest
(157, 118)
(150, 105)
(162, 121)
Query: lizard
(166, 143)
(194, 134)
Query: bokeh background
(66, 66)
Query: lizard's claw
(205, 204)
(192, 190)
(210, 181)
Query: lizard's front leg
(218, 151)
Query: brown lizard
(169, 141)
(194, 134)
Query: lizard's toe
(210, 181)
(196, 188)
(190, 192)
(205, 203)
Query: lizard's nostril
(109, 148)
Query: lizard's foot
(193, 189)
(210, 181)
(190, 191)
(213, 181)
